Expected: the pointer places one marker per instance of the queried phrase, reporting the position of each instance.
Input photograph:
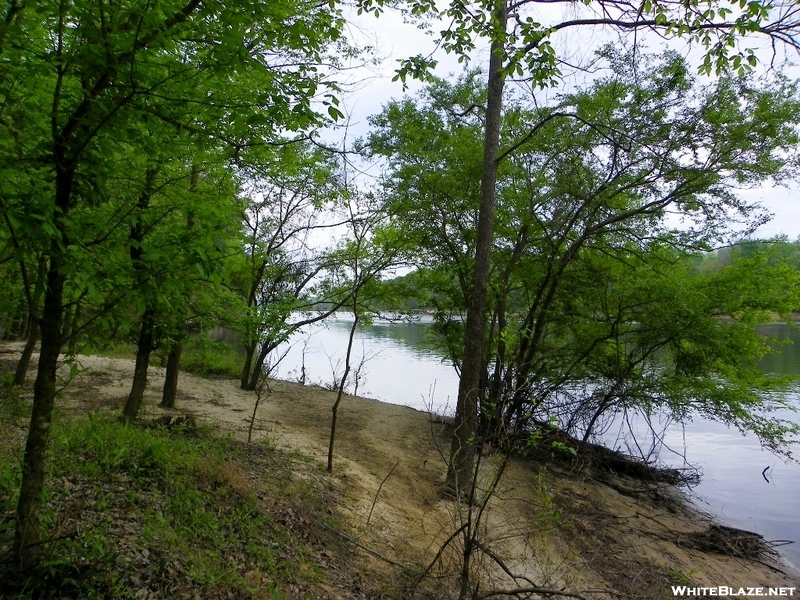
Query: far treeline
(159, 176)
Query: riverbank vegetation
(180, 505)
(161, 175)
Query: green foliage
(547, 513)
(526, 50)
(545, 431)
(125, 132)
(596, 304)
(204, 356)
(138, 103)
(14, 407)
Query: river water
(401, 368)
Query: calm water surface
(399, 367)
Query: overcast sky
(372, 88)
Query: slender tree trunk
(170, 390)
(466, 562)
(71, 316)
(335, 407)
(70, 337)
(462, 450)
(146, 333)
(44, 389)
(134, 402)
(27, 354)
(34, 328)
(25, 327)
(66, 328)
(496, 394)
(171, 380)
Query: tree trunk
(171, 379)
(342, 383)
(146, 333)
(26, 533)
(134, 402)
(170, 391)
(248, 363)
(466, 562)
(71, 338)
(462, 450)
(66, 328)
(32, 322)
(259, 365)
(24, 331)
(27, 353)
(44, 391)
(71, 319)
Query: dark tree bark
(69, 336)
(147, 331)
(248, 364)
(462, 450)
(24, 329)
(44, 389)
(171, 380)
(170, 390)
(259, 365)
(27, 354)
(146, 337)
(34, 328)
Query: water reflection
(399, 365)
(786, 359)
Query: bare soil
(554, 523)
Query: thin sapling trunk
(335, 407)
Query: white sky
(371, 88)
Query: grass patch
(15, 407)
(201, 356)
(132, 511)
(204, 356)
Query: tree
(292, 197)
(594, 177)
(670, 339)
(181, 228)
(524, 48)
(76, 76)
(368, 251)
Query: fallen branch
(532, 590)
(370, 550)
(439, 554)
(488, 552)
(369, 516)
